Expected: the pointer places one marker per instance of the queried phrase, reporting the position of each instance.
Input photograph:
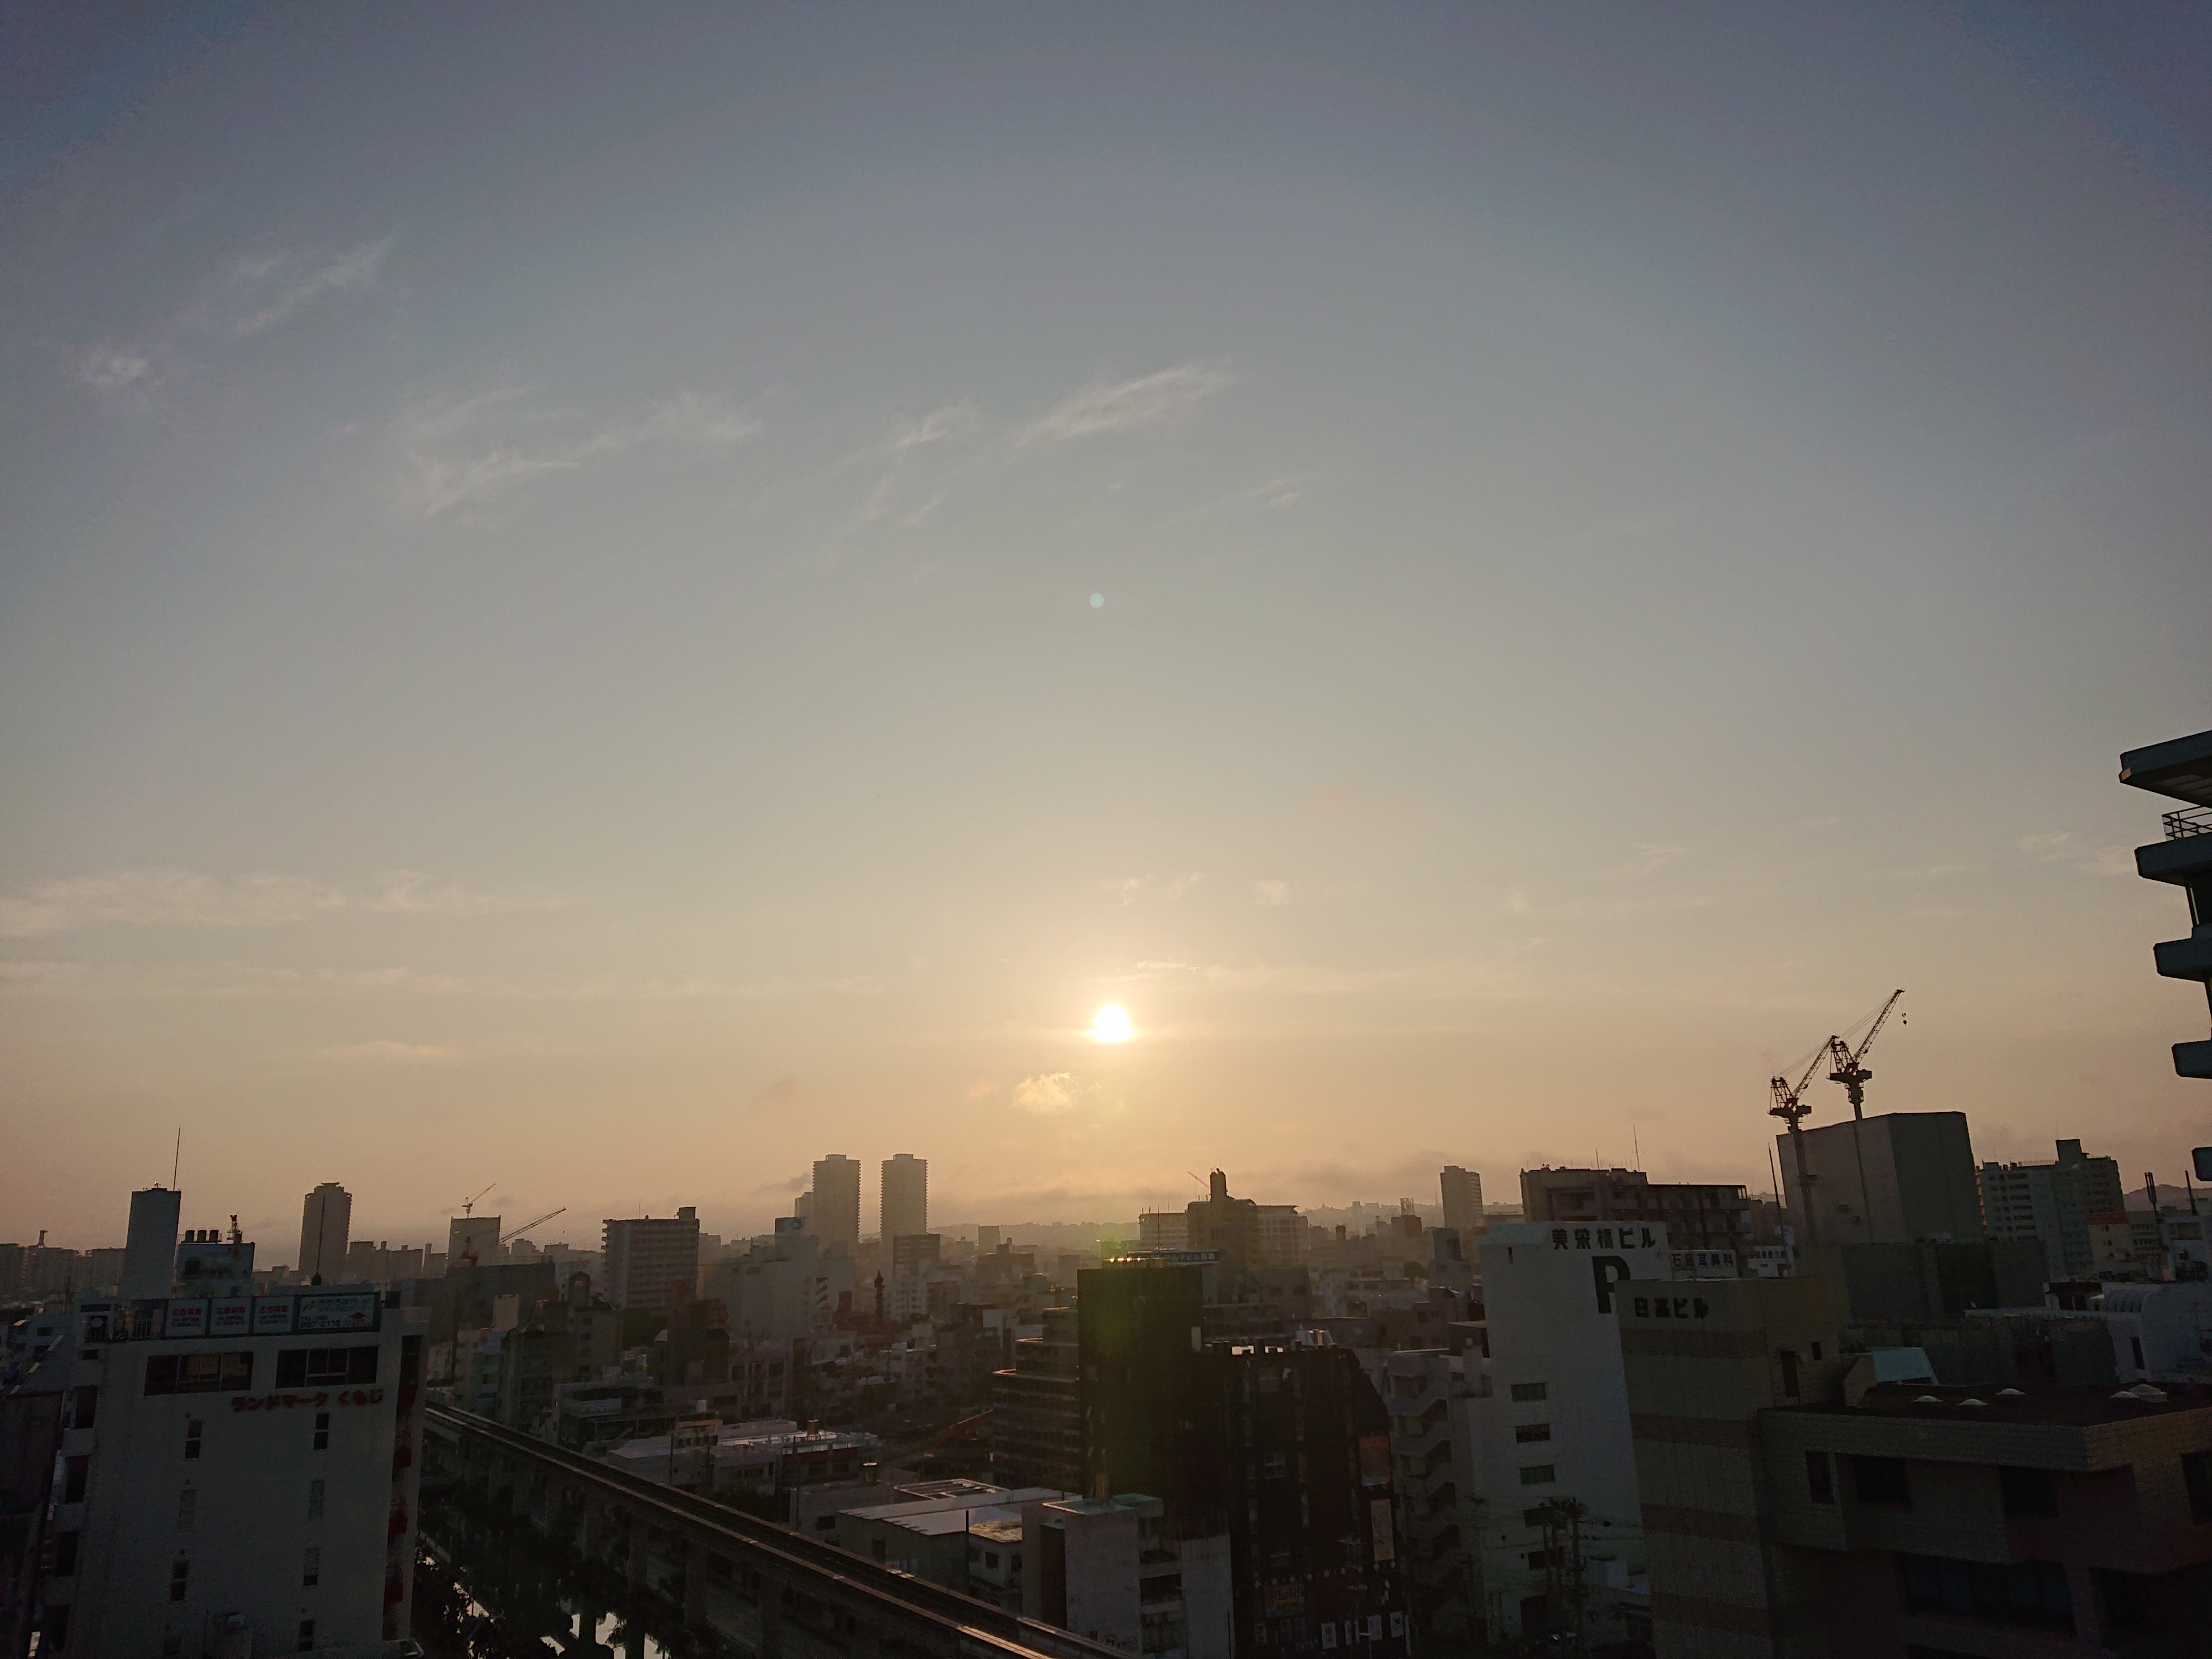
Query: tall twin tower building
(832, 1208)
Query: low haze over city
(775, 735)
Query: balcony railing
(2188, 821)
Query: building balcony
(2185, 958)
(2192, 1059)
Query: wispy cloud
(243, 980)
(1271, 895)
(2065, 847)
(391, 1051)
(114, 369)
(1047, 1094)
(461, 455)
(278, 285)
(165, 897)
(1126, 890)
(1110, 406)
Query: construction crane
(468, 1204)
(1849, 1072)
(513, 1233)
(1789, 1106)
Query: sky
(611, 600)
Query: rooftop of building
(2083, 1405)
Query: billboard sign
(231, 1315)
(348, 1311)
(273, 1316)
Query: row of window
(232, 1373)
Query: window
(1525, 1392)
(1881, 1481)
(1274, 1466)
(193, 1432)
(990, 1557)
(76, 1474)
(199, 1373)
(306, 1636)
(180, 1580)
(303, 1368)
(1788, 1359)
(2030, 1594)
(1527, 1432)
(2197, 1475)
(65, 1554)
(1538, 1475)
(1820, 1477)
(2136, 1343)
(314, 1500)
(322, 1431)
(311, 1570)
(187, 1501)
(2028, 1491)
(55, 1628)
(1532, 1517)
(1538, 1559)
(84, 1402)
(1816, 1350)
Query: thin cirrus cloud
(461, 456)
(1111, 406)
(277, 286)
(165, 897)
(255, 295)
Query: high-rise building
(1462, 1196)
(237, 1474)
(2182, 770)
(1891, 1179)
(1283, 1447)
(833, 1214)
(149, 1248)
(2051, 1203)
(1036, 1410)
(903, 1197)
(652, 1263)
(325, 1222)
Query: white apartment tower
(904, 1194)
(833, 1214)
(325, 1220)
(237, 1475)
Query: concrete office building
(1702, 1360)
(150, 1249)
(2051, 1203)
(1890, 1179)
(652, 1263)
(1163, 1230)
(833, 1209)
(2181, 770)
(472, 1241)
(1283, 1447)
(903, 1197)
(1462, 1202)
(780, 1290)
(1108, 1569)
(325, 1220)
(1555, 1425)
(1036, 1409)
(1697, 1216)
(237, 1477)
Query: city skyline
(734, 619)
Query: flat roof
(2081, 1405)
(2180, 768)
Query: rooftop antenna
(1636, 1145)
(177, 1158)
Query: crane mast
(1849, 1072)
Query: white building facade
(1551, 1423)
(238, 1477)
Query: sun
(1111, 1026)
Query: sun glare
(1112, 1025)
